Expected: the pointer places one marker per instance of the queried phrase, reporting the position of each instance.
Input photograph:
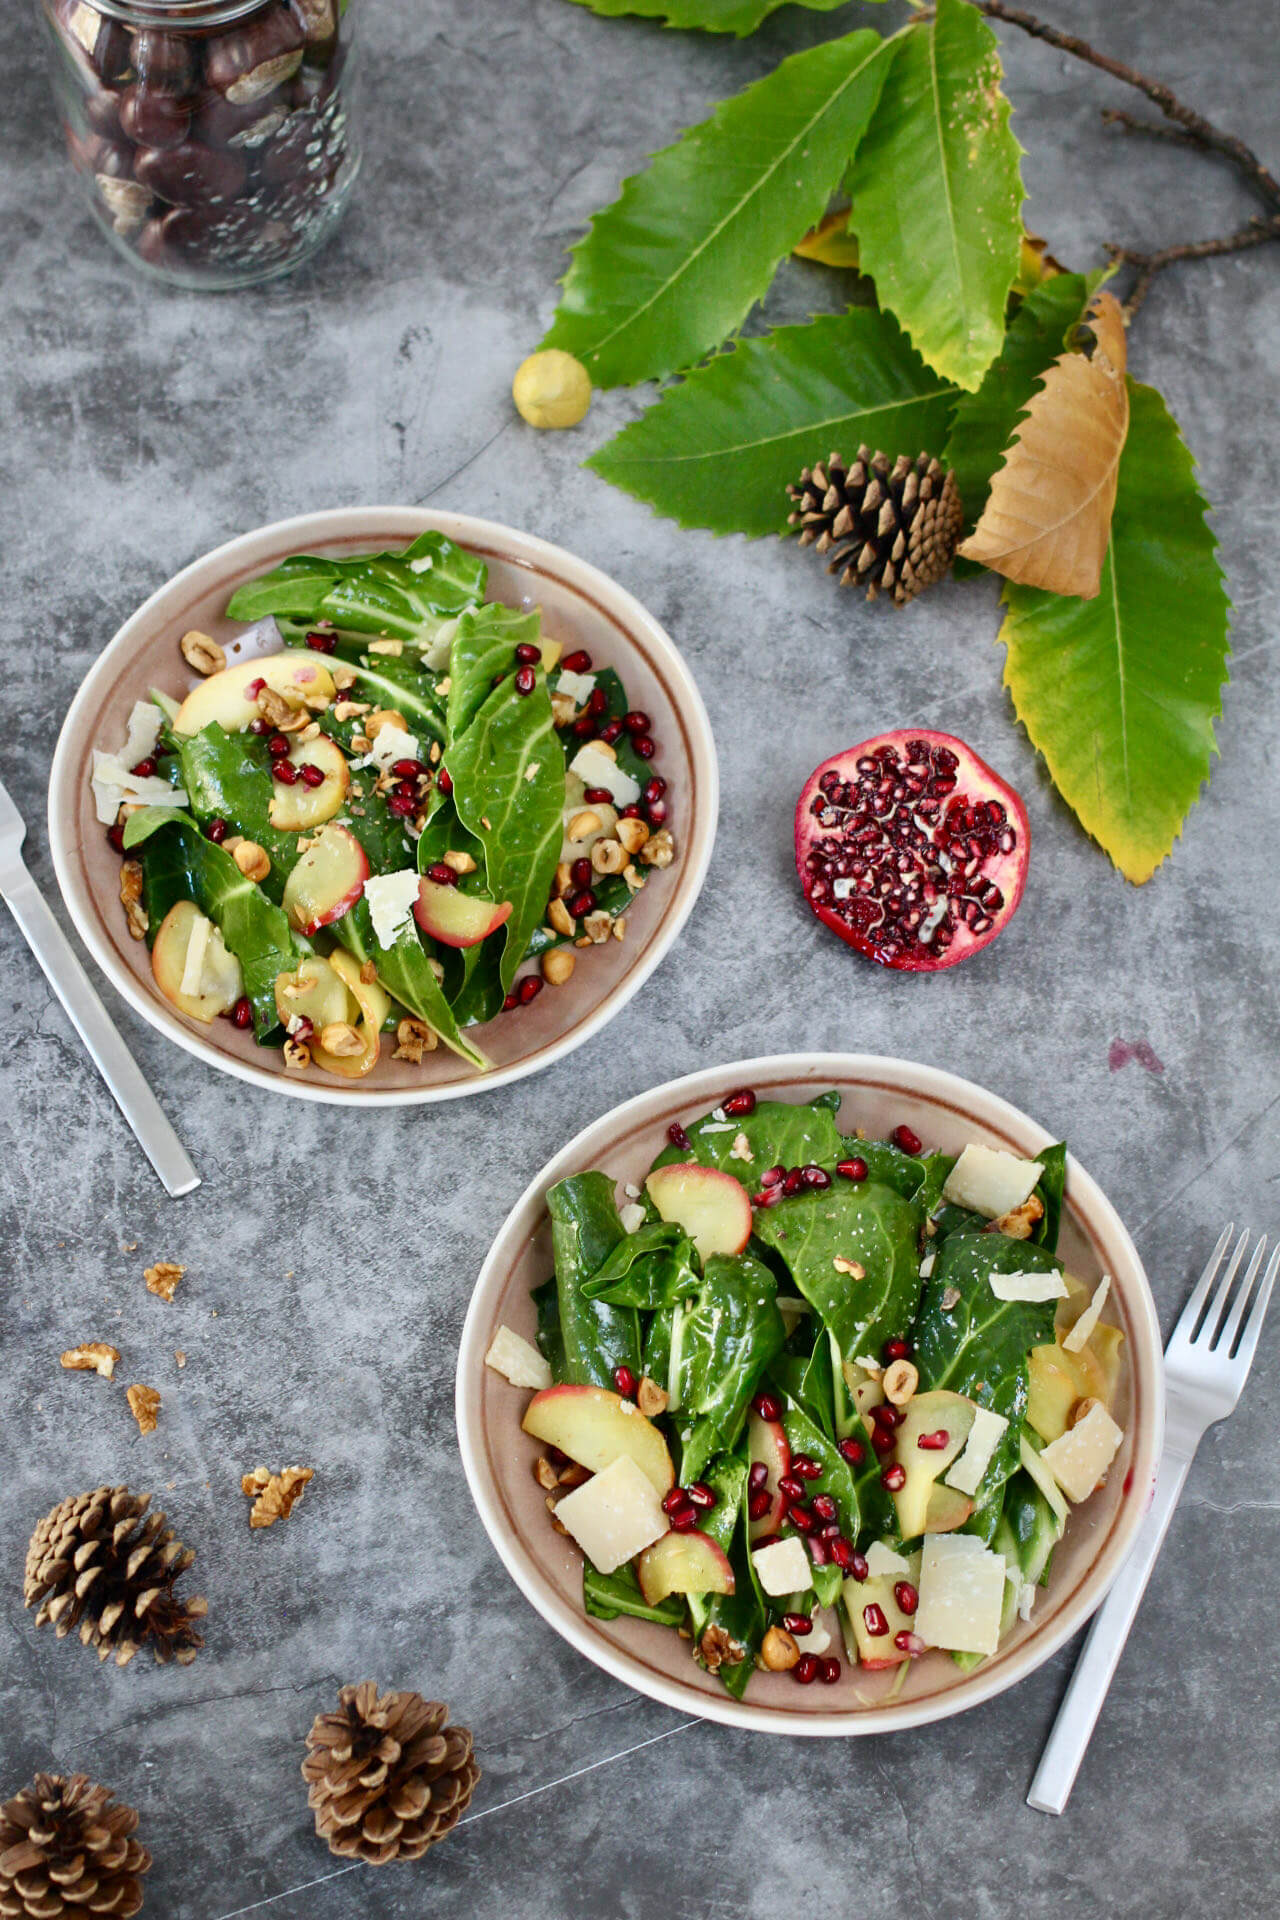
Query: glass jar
(212, 137)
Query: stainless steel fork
(1206, 1364)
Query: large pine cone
(66, 1850)
(892, 529)
(96, 1563)
(387, 1777)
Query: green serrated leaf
(707, 16)
(718, 450)
(691, 244)
(937, 193)
(985, 420)
(1120, 693)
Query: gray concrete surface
(330, 1256)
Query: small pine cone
(893, 530)
(67, 1850)
(95, 1562)
(387, 1778)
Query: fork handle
(1082, 1703)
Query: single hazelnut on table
(551, 389)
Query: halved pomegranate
(912, 849)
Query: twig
(1177, 136)
(1256, 234)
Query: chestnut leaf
(708, 16)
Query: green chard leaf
(719, 449)
(652, 1268)
(868, 1225)
(606, 1595)
(937, 194)
(483, 647)
(227, 777)
(730, 1336)
(405, 971)
(296, 587)
(1120, 693)
(691, 244)
(707, 16)
(779, 1134)
(585, 1229)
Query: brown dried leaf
(1048, 518)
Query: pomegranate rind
(974, 781)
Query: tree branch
(1256, 234)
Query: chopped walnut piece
(131, 898)
(180, 1358)
(659, 850)
(144, 1405)
(718, 1648)
(297, 1055)
(202, 652)
(163, 1278)
(651, 1398)
(413, 1039)
(341, 1040)
(1019, 1223)
(274, 1495)
(559, 1525)
(597, 927)
(92, 1356)
(274, 707)
(343, 677)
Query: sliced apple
(218, 979)
(457, 919)
(596, 1427)
(683, 1563)
(327, 881)
(300, 807)
(315, 993)
(768, 1447)
(374, 1005)
(877, 1650)
(926, 1414)
(711, 1206)
(947, 1509)
(1056, 1379)
(231, 697)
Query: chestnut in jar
(165, 62)
(190, 174)
(103, 45)
(153, 119)
(318, 20)
(247, 62)
(220, 123)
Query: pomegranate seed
(677, 1497)
(798, 1624)
(906, 1140)
(882, 1440)
(772, 1176)
(144, 769)
(830, 1532)
(401, 804)
(824, 1506)
(801, 1518)
(738, 1105)
(885, 1415)
(116, 837)
(611, 731)
(758, 1504)
(259, 726)
(758, 1476)
(253, 689)
(854, 1452)
(678, 1137)
(906, 1597)
(527, 654)
(894, 1479)
(644, 746)
(585, 728)
(322, 642)
(597, 796)
(855, 1169)
(701, 1495)
(277, 745)
(526, 680)
(312, 776)
(806, 1468)
(581, 873)
(442, 875)
(768, 1406)
(816, 1177)
(842, 1553)
(304, 1029)
(817, 1550)
(529, 989)
(791, 1487)
(582, 903)
(806, 1669)
(683, 1520)
(631, 812)
(933, 1442)
(444, 780)
(907, 1642)
(897, 1349)
(216, 830)
(596, 703)
(408, 769)
(793, 1181)
(285, 772)
(858, 1568)
(579, 662)
(767, 1197)
(242, 1013)
(510, 1003)
(874, 1621)
(636, 722)
(830, 1671)
(656, 812)
(654, 789)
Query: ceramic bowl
(581, 607)
(878, 1094)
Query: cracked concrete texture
(330, 1256)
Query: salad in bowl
(388, 812)
(820, 1404)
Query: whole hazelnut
(551, 389)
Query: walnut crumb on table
(92, 1356)
(274, 1495)
(144, 1405)
(163, 1278)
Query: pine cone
(387, 1777)
(894, 530)
(66, 1850)
(96, 1563)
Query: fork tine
(1226, 1337)
(1217, 1307)
(1253, 1325)
(1195, 1305)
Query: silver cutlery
(85, 1010)
(1206, 1364)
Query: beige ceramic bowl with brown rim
(581, 607)
(879, 1093)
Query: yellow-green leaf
(937, 193)
(1120, 693)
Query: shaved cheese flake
(882, 1559)
(391, 898)
(1028, 1286)
(1079, 1457)
(597, 769)
(144, 730)
(389, 745)
(578, 686)
(114, 785)
(990, 1182)
(1076, 1340)
(782, 1567)
(614, 1515)
(966, 1472)
(961, 1594)
(632, 1216)
(517, 1361)
(193, 961)
(1048, 1486)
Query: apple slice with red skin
(314, 992)
(935, 1412)
(298, 808)
(877, 1650)
(457, 919)
(596, 1427)
(169, 960)
(297, 676)
(327, 881)
(768, 1446)
(948, 1509)
(711, 1206)
(683, 1563)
